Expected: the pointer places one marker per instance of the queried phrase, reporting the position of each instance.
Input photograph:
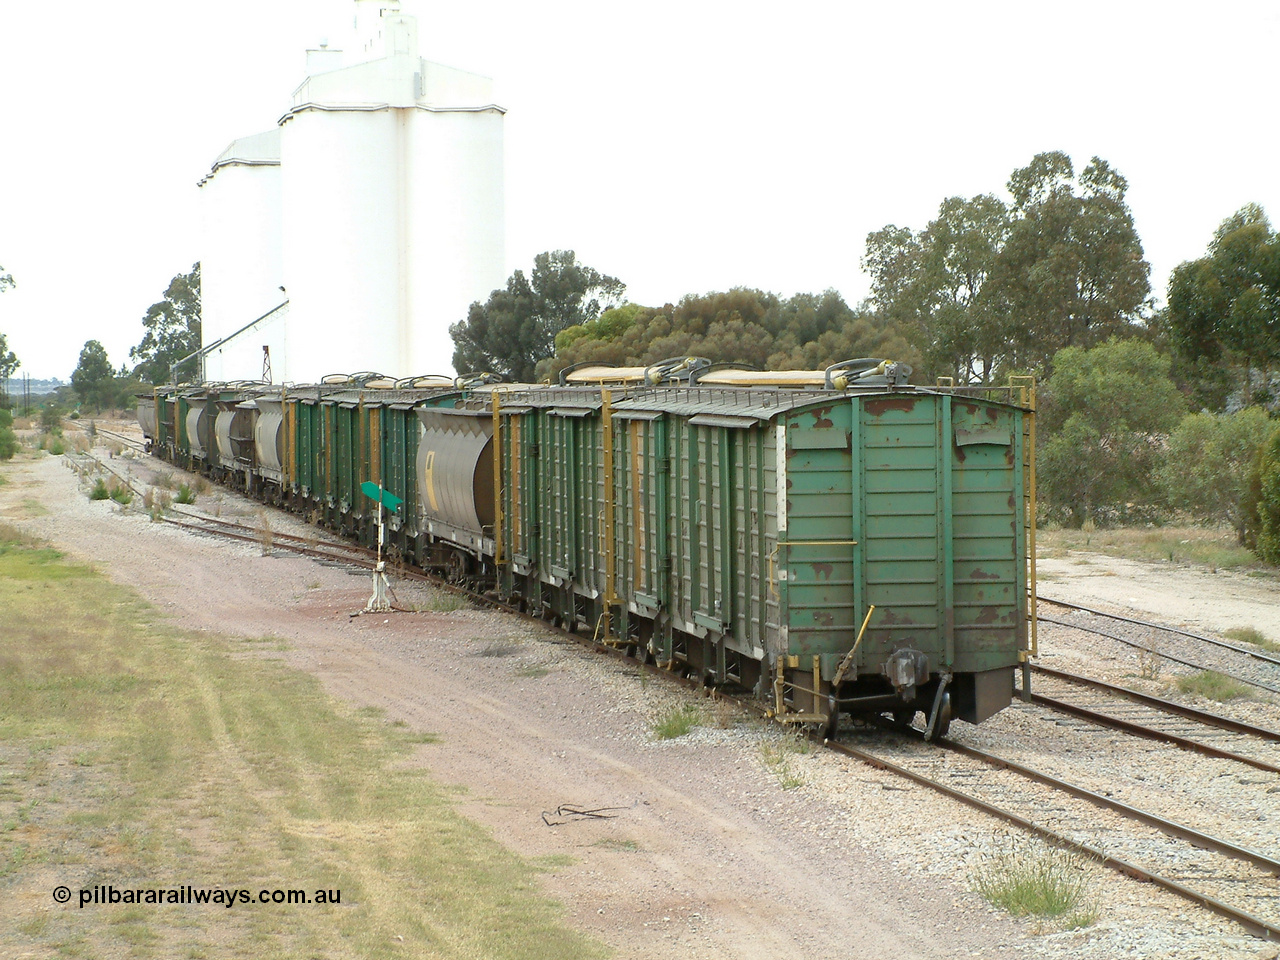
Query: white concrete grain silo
(392, 206)
(241, 263)
(386, 216)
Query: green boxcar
(909, 500)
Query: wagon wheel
(943, 723)
(455, 568)
(833, 718)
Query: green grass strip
(135, 756)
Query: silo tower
(392, 204)
(240, 263)
(375, 207)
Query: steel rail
(1254, 925)
(1167, 706)
(341, 552)
(1150, 733)
(309, 551)
(1169, 827)
(1165, 656)
(1214, 641)
(352, 548)
(80, 425)
(130, 441)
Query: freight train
(837, 541)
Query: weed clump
(677, 721)
(777, 756)
(99, 491)
(1149, 663)
(1213, 686)
(1028, 879)
(185, 494)
(266, 536)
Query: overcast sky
(680, 146)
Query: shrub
(185, 494)
(122, 494)
(8, 443)
(99, 491)
(1266, 486)
(51, 418)
(1209, 464)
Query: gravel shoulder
(703, 850)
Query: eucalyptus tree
(1225, 307)
(517, 326)
(991, 287)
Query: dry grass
(133, 756)
(1252, 635)
(778, 755)
(1212, 547)
(1150, 663)
(266, 536)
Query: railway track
(1229, 879)
(1157, 719)
(91, 428)
(1254, 668)
(315, 547)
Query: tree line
(1144, 411)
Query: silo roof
(256, 150)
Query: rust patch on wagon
(980, 574)
(890, 619)
(824, 617)
(822, 417)
(823, 571)
(878, 408)
(987, 615)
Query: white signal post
(379, 603)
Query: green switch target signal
(378, 495)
